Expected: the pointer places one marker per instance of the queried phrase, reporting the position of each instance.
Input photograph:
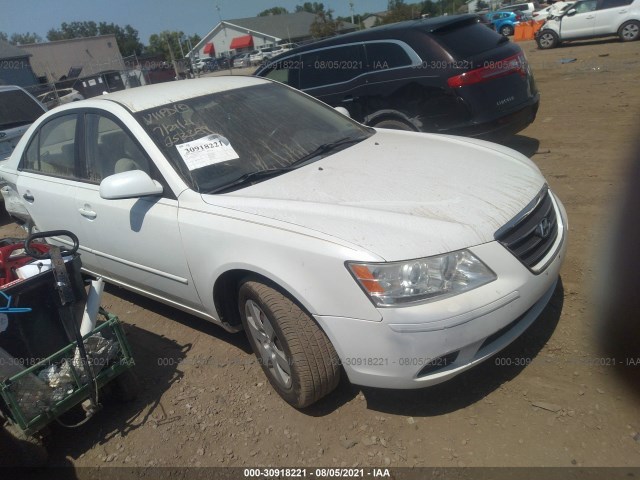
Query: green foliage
(399, 11)
(159, 44)
(126, 37)
(273, 11)
(21, 38)
(311, 7)
(324, 25)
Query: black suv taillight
(491, 70)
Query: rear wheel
(629, 31)
(394, 124)
(547, 39)
(506, 30)
(294, 352)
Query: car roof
(4, 88)
(149, 96)
(430, 25)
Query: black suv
(448, 74)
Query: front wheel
(547, 39)
(506, 30)
(629, 31)
(295, 354)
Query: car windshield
(17, 109)
(217, 140)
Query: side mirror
(343, 111)
(572, 12)
(130, 184)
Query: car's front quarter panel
(391, 353)
(310, 268)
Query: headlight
(420, 280)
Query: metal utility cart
(46, 366)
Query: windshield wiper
(252, 177)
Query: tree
(482, 5)
(25, 38)
(430, 9)
(398, 11)
(159, 43)
(273, 11)
(127, 37)
(315, 7)
(4, 37)
(324, 25)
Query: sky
(150, 16)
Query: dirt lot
(550, 399)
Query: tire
(506, 30)
(394, 124)
(547, 39)
(629, 31)
(295, 354)
(126, 386)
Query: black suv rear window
(468, 40)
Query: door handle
(590, 17)
(622, 11)
(28, 197)
(348, 98)
(90, 214)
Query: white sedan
(398, 258)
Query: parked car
(553, 10)
(18, 110)
(59, 97)
(503, 22)
(399, 258)
(527, 9)
(592, 19)
(261, 55)
(448, 74)
(242, 61)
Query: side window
(286, 71)
(586, 6)
(52, 150)
(331, 65)
(110, 149)
(383, 55)
(613, 4)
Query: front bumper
(423, 345)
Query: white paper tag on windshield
(206, 151)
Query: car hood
(400, 195)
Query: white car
(404, 258)
(551, 11)
(60, 97)
(592, 19)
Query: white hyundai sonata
(398, 258)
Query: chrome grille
(532, 233)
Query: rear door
(49, 174)
(610, 14)
(334, 75)
(581, 24)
